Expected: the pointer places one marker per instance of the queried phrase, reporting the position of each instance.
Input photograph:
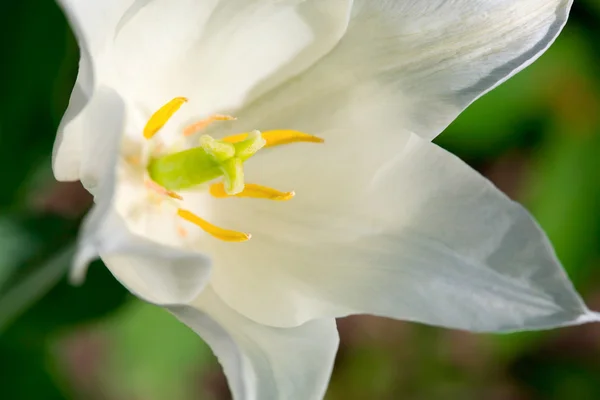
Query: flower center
(211, 161)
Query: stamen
(155, 187)
(193, 128)
(160, 118)
(277, 137)
(253, 191)
(220, 233)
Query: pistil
(211, 160)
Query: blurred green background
(537, 137)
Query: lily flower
(262, 167)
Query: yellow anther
(252, 190)
(219, 233)
(155, 187)
(160, 118)
(193, 128)
(277, 137)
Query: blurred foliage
(143, 334)
(537, 137)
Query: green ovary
(213, 159)
(184, 170)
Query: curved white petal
(414, 64)
(69, 147)
(92, 155)
(263, 362)
(94, 22)
(221, 53)
(156, 273)
(90, 21)
(218, 53)
(426, 239)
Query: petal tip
(589, 316)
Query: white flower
(382, 221)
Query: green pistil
(214, 158)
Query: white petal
(94, 22)
(78, 132)
(92, 155)
(156, 273)
(218, 53)
(263, 362)
(428, 240)
(414, 64)
(90, 21)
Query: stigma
(213, 163)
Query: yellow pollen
(253, 191)
(278, 137)
(160, 118)
(219, 233)
(193, 128)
